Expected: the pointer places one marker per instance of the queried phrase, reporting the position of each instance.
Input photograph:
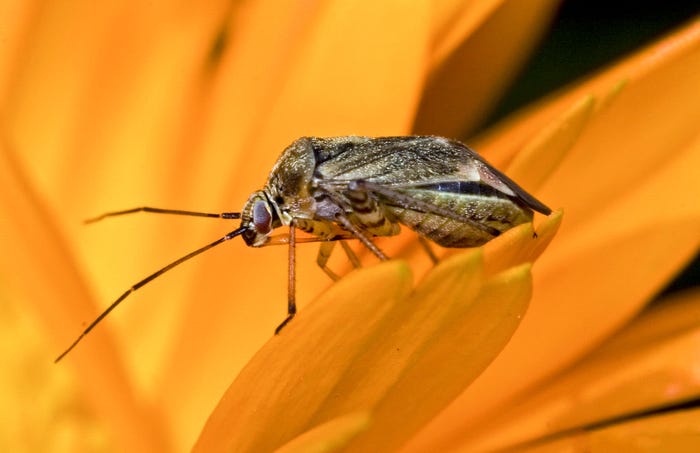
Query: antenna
(159, 272)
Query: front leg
(291, 282)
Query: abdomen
(501, 214)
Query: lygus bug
(358, 188)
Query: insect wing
(415, 162)
(400, 161)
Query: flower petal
(37, 267)
(669, 317)
(394, 354)
(521, 244)
(121, 57)
(330, 436)
(541, 156)
(643, 368)
(675, 431)
(110, 86)
(532, 353)
(15, 18)
(465, 85)
(423, 328)
(275, 396)
(651, 222)
(634, 132)
(41, 405)
(407, 332)
(629, 139)
(467, 341)
(454, 21)
(674, 50)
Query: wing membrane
(418, 162)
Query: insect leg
(341, 219)
(143, 282)
(348, 225)
(223, 215)
(426, 246)
(324, 253)
(291, 294)
(351, 255)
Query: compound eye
(262, 219)
(249, 236)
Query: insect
(359, 188)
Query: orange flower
(107, 106)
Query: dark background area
(587, 35)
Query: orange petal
(672, 51)
(465, 85)
(115, 106)
(671, 316)
(15, 18)
(454, 21)
(521, 244)
(643, 368)
(343, 82)
(245, 86)
(53, 102)
(442, 298)
(330, 436)
(37, 267)
(579, 299)
(391, 351)
(474, 333)
(568, 315)
(541, 156)
(41, 404)
(675, 431)
(275, 395)
(640, 234)
(632, 134)
(407, 332)
(629, 140)
(109, 86)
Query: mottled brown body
(437, 187)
